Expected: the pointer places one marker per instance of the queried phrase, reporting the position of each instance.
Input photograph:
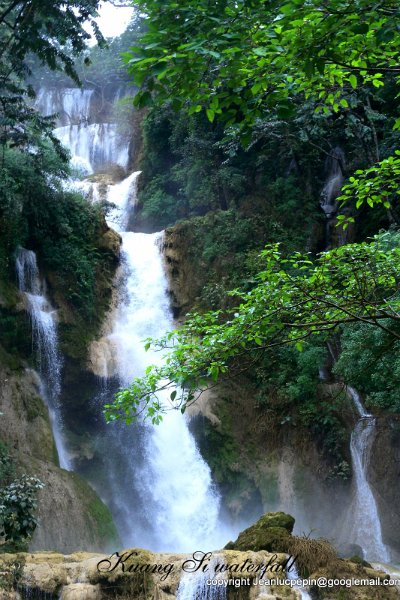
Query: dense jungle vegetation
(36, 210)
(246, 104)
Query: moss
(10, 361)
(34, 407)
(360, 561)
(271, 532)
(15, 336)
(102, 522)
(103, 519)
(277, 519)
(273, 539)
(8, 293)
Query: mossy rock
(272, 532)
(360, 561)
(277, 519)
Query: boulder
(272, 532)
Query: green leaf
(210, 114)
(353, 81)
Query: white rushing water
(44, 335)
(172, 484)
(365, 525)
(194, 586)
(334, 181)
(92, 145)
(293, 575)
(72, 105)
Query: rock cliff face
(71, 516)
(261, 465)
(384, 477)
(185, 280)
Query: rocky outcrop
(70, 513)
(261, 465)
(384, 473)
(141, 574)
(24, 423)
(271, 532)
(138, 574)
(183, 276)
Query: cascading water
(366, 526)
(163, 495)
(293, 575)
(72, 105)
(193, 586)
(153, 478)
(92, 145)
(334, 171)
(44, 335)
(334, 181)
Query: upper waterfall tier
(86, 125)
(72, 105)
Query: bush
(17, 503)
(17, 508)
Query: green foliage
(17, 507)
(189, 169)
(370, 362)
(374, 186)
(295, 298)
(54, 33)
(289, 386)
(66, 228)
(62, 226)
(158, 205)
(100, 66)
(252, 66)
(17, 503)
(237, 61)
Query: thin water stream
(366, 528)
(45, 342)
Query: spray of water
(365, 523)
(176, 505)
(44, 336)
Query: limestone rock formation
(271, 532)
(70, 513)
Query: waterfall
(193, 586)
(334, 166)
(160, 469)
(72, 105)
(153, 478)
(366, 526)
(93, 145)
(44, 336)
(293, 574)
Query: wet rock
(110, 241)
(271, 532)
(81, 591)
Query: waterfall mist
(164, 497)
